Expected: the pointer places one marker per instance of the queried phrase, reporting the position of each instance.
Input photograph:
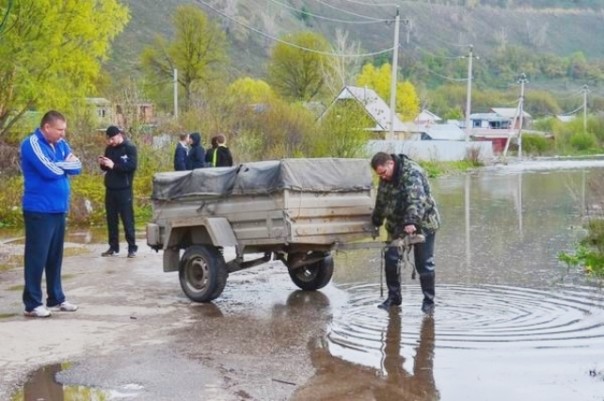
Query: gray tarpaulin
(312, 175)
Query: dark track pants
(118, 204)
(44, 238)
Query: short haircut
(220, 139)
(183, 137)
(50, 117)
(380, 159)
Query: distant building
(497, 126)
(139, 113)
(103, 110)
(376, 109)
(426, 117)
(109, 113)
(443, 132)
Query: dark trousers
(424, 263)
(118, 204)
(44, 237)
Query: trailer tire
(313, 276)
(202, 273)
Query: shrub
(536, 144)
(583, 141)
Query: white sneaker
(38, 311)
(65, 307)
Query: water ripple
(479, 317)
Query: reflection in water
(42, 386)
(339, 379)
(402, 385)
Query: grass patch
(18, 287)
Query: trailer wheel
(202, 273)
(313, 276)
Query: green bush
(11, 190)
(583, 142)
(537, 145)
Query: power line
(372, 5)
(448, 43)
(353, 13)
(438, 56)
(575, 94)
(266, 35)
(444, 76)
(372, 21)
(571, 112)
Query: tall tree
(343, 69)
(51, 52)
(298, 64)
(197, 51)
(378, 79)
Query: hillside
(425, 28)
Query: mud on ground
(136, 329)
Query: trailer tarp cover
(309, 175)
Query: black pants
(118, 204)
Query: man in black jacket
(119, 164)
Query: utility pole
(397, 23)
(517, 119)
(407, 23)
(175, 93)
(469, 94)
(585, 90)
(522, 82)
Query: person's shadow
(337, 379)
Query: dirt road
(137, 334)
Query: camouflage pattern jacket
(406, 199)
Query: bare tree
(501, 37)
(344, 69)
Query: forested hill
(501, 31)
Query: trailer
(293, 210)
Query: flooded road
(511, 322)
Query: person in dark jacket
(196, 155)
(180, 153)
(405, 200)
(119, 164)
(220, 155)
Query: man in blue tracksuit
(46, 162)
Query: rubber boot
(393, 282)
(426, 281)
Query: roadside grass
(588, 254)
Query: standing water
(511, 321)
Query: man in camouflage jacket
(404, 199)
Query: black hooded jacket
(196, 156)
(124, 157)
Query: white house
(376, 109)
